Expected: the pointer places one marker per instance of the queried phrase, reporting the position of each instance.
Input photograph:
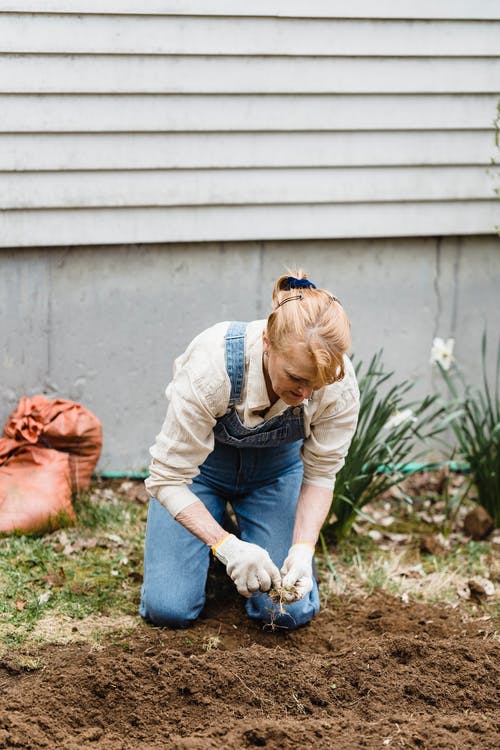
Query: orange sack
(35, 488)
(63, 426)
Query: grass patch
(90, 571)
(82, 583)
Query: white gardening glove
(248, 565)
(297, 573)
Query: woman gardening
(260, 416)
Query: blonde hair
(315, 317)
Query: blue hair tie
(294, 283)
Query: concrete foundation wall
(102, 325)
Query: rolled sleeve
(186, 437)
(175, 498)
(326, 447)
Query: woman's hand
(248, 565)
(297, 572)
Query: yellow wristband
(217, 544)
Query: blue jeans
(262, 486)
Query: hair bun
(293, 274)
(294, 283)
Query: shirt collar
(257, 397)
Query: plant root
(281, 596)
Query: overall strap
(235, 359)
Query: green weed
(474, 416)
(389, 429)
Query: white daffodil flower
(442, 352)
(400, 417)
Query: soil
(366, 673)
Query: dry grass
(58, 628)
(393, 573)
(392, 557)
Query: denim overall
(258, 471)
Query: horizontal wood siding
(135, 225)
(125, 151)
(426, 9)
(58, 113)
(171, 35)
(242, 187)
(223, 120)
(202, 74)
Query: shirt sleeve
(326, 447)
(198, 394)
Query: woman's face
(291, 374)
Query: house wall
(217, 120)
(102, 325)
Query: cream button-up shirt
(199, 394)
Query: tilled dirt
(367, 673)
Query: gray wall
(102, 325)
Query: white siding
(57, 113)
(242, 187)
(215, 120)
(424, 9)
(135, 225)
(202, 74)
(171, 35)
(121, 151)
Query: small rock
(463, 591)
(478, 523)
(480, 588)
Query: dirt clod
(478, 523)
